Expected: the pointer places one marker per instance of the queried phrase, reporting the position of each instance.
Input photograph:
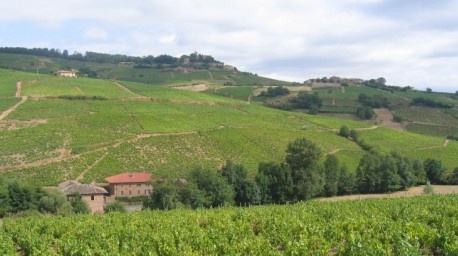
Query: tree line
(301, 176)
(102, 57)
(18, 198)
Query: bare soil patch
(193, 88)
(385, 118)
(10, 125)
(18, 89)
(415, 191)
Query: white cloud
(296, 39)
(95, 33)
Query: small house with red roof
(130, 184)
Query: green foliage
(344, 131)
(164, 197)
(275, 91)
(386, 173)
(275, 183)
(331, 175)
(115, 206)
(435, 172)
(365, 112)
(374, 101)
(217, 192)
(79, 206)
(55, 202)
(246, 190)
(420, 101)
(310, 101)
(396, 226)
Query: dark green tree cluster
(275, 91)
(374, 101)
(365, 112)
(310, 101)
(16, 197)
(420, 101)
(302, 176)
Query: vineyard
(90, 129)
(425, 225)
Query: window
(130, 185)
(92, 198)
(130, 192)
(122, 193)
(138, 192)
(139, 185)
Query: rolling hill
(54, 128)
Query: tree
(5, 204)
(275, 183)
(55, 202)
(246, 190)
(302, 153)
(346, 183)
(164, 197)
(453, 179)
(78, 205)
(217, 192)
(354, 135)
(405, 170)
(390, 180)
(344, 131)
(23, 196)
(116, 206)
(302, 156)
(429, 90)
(368, 176)
(365, 112)
(456, 93)
(331, 175)
(419, 171)
(434, 171)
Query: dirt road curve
(5, 113)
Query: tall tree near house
(331, 175)
(302, 155)
(246, 190)
(275, 183)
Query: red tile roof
(130, 177)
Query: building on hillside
(130, 184)
(93, 195)
(67, 73)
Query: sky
(408, 42)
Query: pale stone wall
(130, 189)
(95, 202)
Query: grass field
(165, 131)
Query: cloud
(407, 42)
(95, 33)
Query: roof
(70, 187)
(130, 177)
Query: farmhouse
(94, 196)
(130, 184)
(67, 73)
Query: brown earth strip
(18, 89)
(5, 113)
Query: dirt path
(81, 91)
(81, 176)
(126, 89)
(385, 118)
(171, 76)
(211, 76)
(96, 148)
(5, 113)
(415, 191)
(333, 151)
(441, 146)
(18, 89)
(366, 129)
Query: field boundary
(415, 191)
(5, 113)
